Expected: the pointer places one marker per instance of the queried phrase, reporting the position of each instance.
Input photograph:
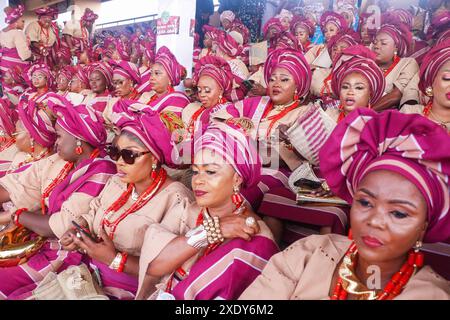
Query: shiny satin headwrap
(216, 68)
(294, 62)
(361, 60)
(14, 14)
(407, 144)
(170, 63)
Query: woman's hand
(67, 240)
(235, 226)
(257, 90)
(5, 217)
(322, 193)
(104, 251)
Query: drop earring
(236, 198)
(79, 148)
(32, 146)
(296, 97)
(153, 174)
(429, 91)
(170, 88)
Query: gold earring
(418, 245)
(429, 91)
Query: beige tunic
(317, 82)
(129, 234)
(158, 236)
(34, 33)
(404, 73)
(26, 188)
(314, 52)
(9, 153)
(258, 77)
(73, 28)
(304, 271)
(16, 39)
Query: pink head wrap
(105, 69)
(211, 32)
(139, 120)
(42, 68)
(299, 21)
(8, 118)
(170, 63)
(89, 15)
(332, 17)
(14, 14)
(227, 14)
(37, 122)
(82, 122)
(216, 68)
(348, 36)
(432, 62)
(273, 23)
(126, 69)
(407, 144)
(236, 148)
(403, 15)
(361, 60)
(399, 32)
(228, 44)
(17, 73)
(81, 72)
(294, 62)
(67, 72)
(439, 24)
(47, 11)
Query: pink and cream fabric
(440, 25)
(407, 144)
(170, 63)
(47, 12)
(347, 36)
(80, 121)
(358, 59)
(294, 62)
(272, 23)
(105, 69)
(14, 14)
(67, 72)
(432, 62)
(43, 69)
(37, 122)
(82, 73)
(398, 31)
(228, 15)
(89, 15)
(127, 70)
(236, 148)
(228, 45)
(8, 118)
(216, 68)
(139, 120)
(299, 21)
(332, 17)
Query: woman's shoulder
(412, 109)
(426, 285)
(331, 245)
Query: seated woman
(141, 194)
(100, 80)
(13, 85)
(288, 77)
(145, 70)
(210, 33)
(434, 77)
(331, 23)
(80, 81)
(8, 149)
(391, 46)
(166, 73)
(321, 77)
(53, 192)
(221, 244)
(213, 78)
(303, 29)
(42, 81)
(63, 80)
(387, 165)
(358, 82)
(278, 37)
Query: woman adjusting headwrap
(366, 141)
(358, 59)
(294, 62)
(236, 148)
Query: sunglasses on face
(128, 156)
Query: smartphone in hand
(84, 231)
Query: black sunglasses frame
(128, 156)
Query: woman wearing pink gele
(391, 46)
(14, 84)
(166, 73)
(100, 81)
(216, 262)
(8, 149)
(434, 78)
(54, 192)
(331, 23)
(14, 49)
(303, 29)
(77, 33)
(278, 37)
(388, 167)
(44, 35)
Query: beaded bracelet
(17, 215)
(122, 262)
(212, 227)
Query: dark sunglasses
(128, 156)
